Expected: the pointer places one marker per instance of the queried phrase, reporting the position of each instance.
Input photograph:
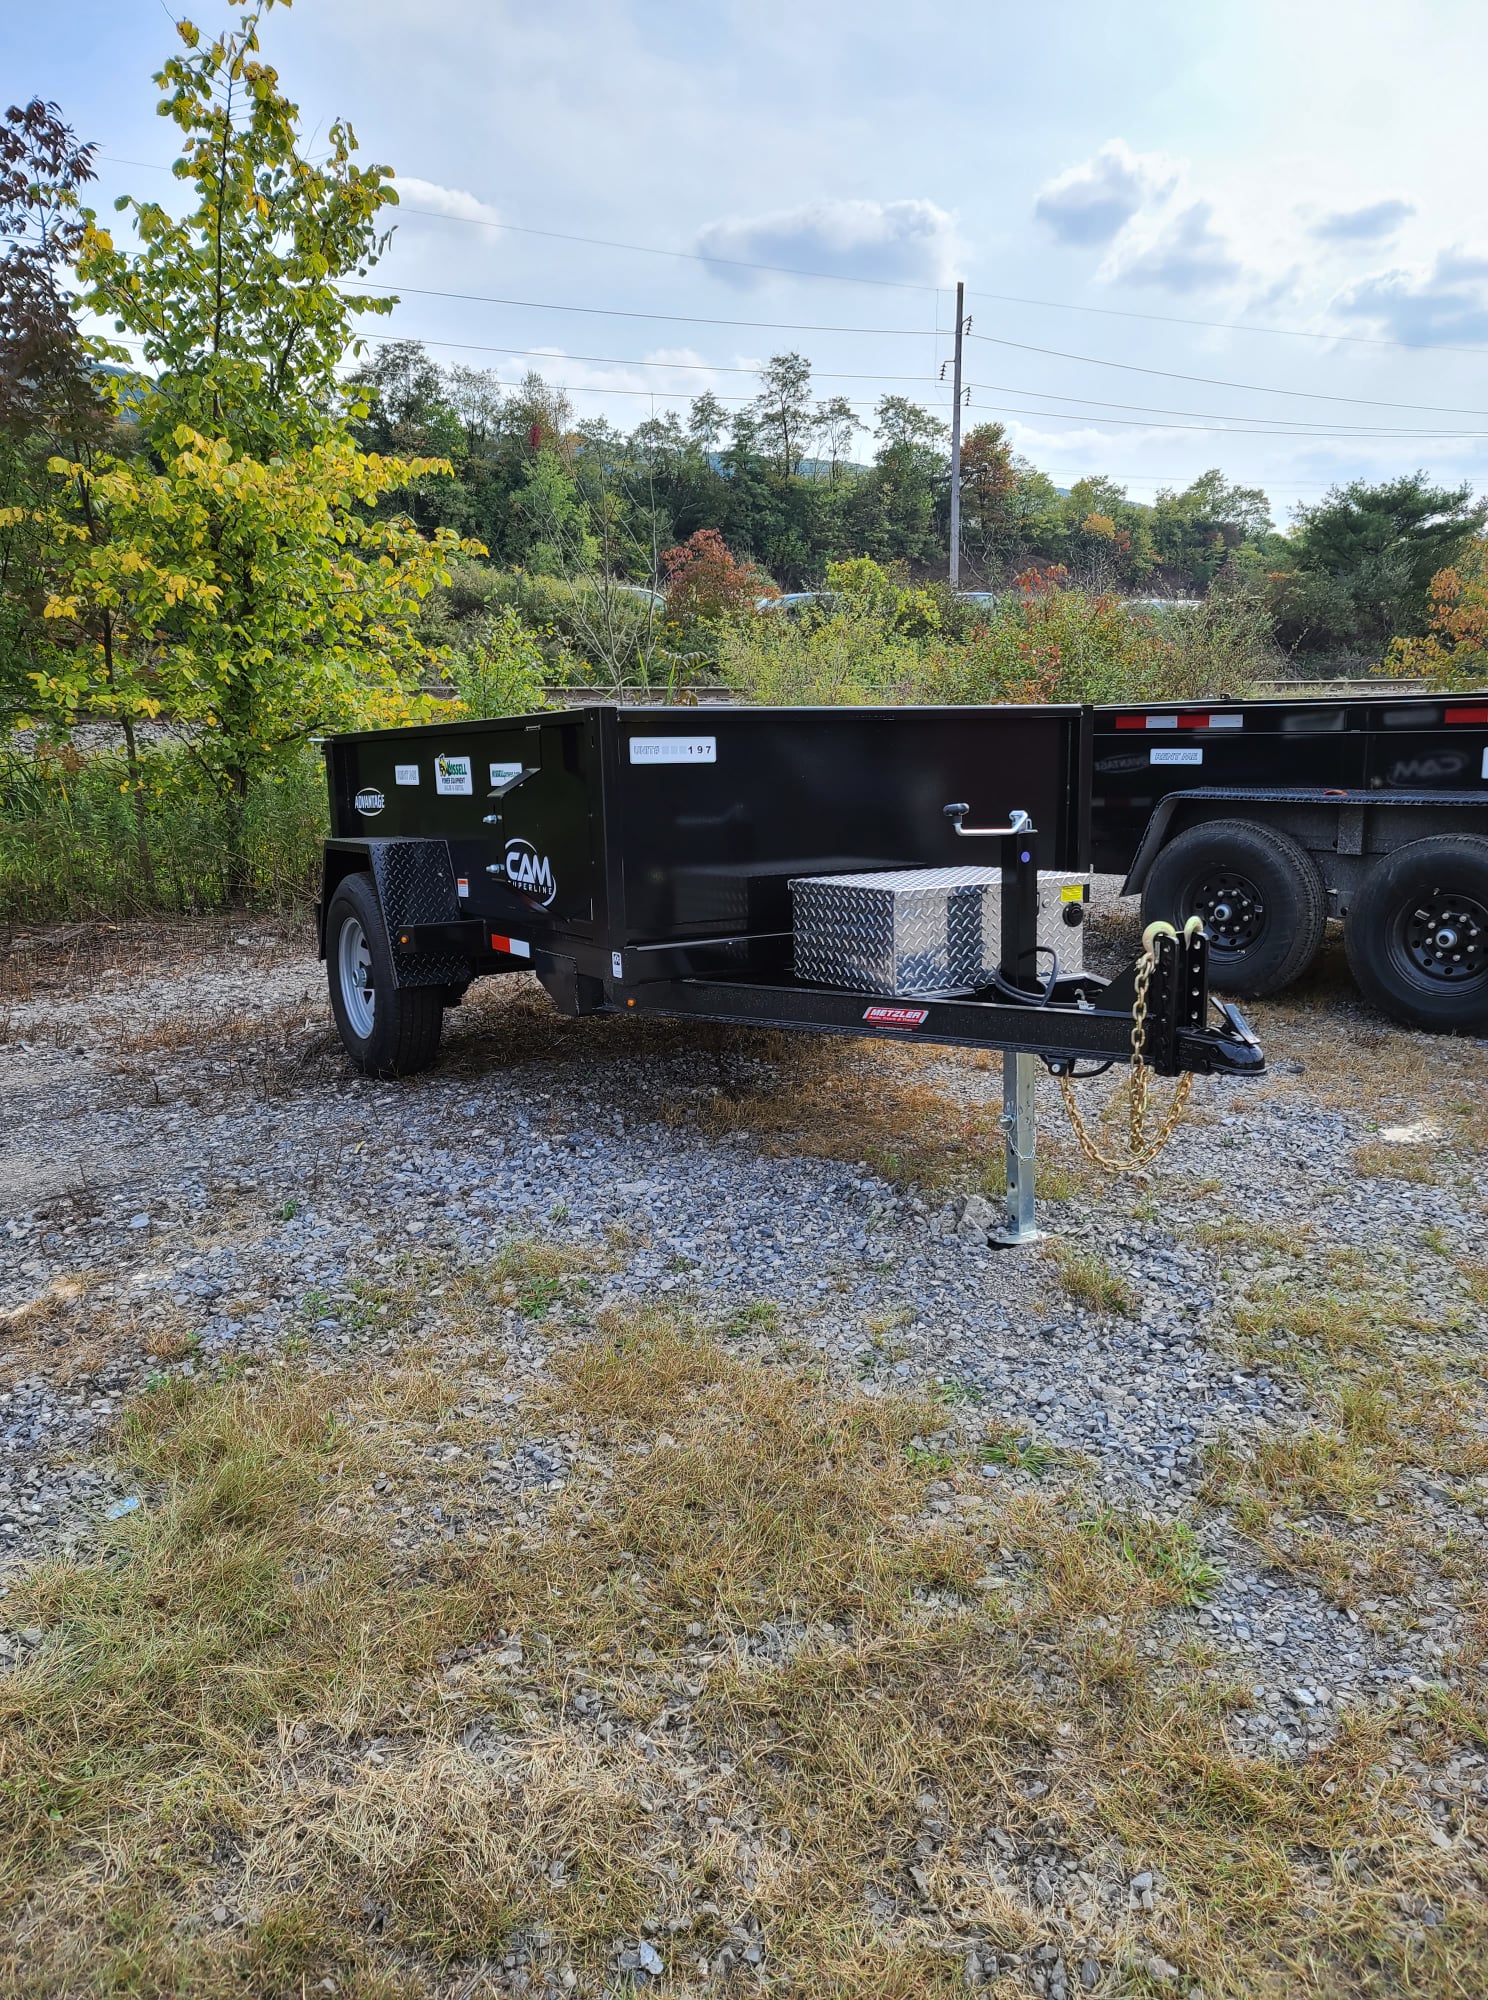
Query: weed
(954, 1393)
(1019, 1452)
(753, 1317)
(924, 1459)
(1167, 1553)
(1089, 1280)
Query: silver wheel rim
(354, 966)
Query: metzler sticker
(897, 1017)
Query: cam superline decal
(530, 873)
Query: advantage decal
(452, 777)
(369, 801)
(530, 872)
(674, 749)
(897, 1017)
(406, 774)
(1177, 756)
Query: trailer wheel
(386, 1029)
(1417, 935)
(1262, 898)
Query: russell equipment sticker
(897, 1017)
(406, 774)
(504, 774)
(1184, 756)
(674, 749)
(369, 802)
(452, 777)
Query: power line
(898, 284)
(1232, 326)
(626, 312)
(914, 333)
(1218, 416)
(573, 388)
(620, 361)
(654, 250)
(1223, 430)
(1220, 382)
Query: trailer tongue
(784, 868)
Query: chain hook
(1142, 1148)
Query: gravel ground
(183, 1146)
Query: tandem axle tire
(386, 1029)
(1417, 935)
(1262, 898)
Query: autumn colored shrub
(1454, 650)
(706, 583)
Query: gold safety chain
(1143, 1149)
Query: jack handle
(1021, 823)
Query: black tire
(1262, 898)
(1417, 934)
(386, 1029)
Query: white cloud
(912, 241)
(1091, 203)
(414, 193)
(1446, 305)
(1369, 224)
(1181, 253)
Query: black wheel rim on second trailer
(1441, 939)
(1232, 908)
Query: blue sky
(1128, 193)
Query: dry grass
(60, 1333)
(1383, 1159)
(732, 1691)
(879, 1105)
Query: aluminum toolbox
(916, 931)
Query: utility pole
(956, 440)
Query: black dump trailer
(1265, 818)
(902, 872)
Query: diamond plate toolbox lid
(915, 931)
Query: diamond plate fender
(416, 885)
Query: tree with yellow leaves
(229, 575)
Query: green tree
(782, 411)
(553, 533)
(258, 600)
(837, 424)
(894, 509)
(1197, 530)
(707, 422)
(1366, 554)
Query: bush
(498, 667)
(69, 836)
(1041, 642)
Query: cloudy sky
(1251, 238)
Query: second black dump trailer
(1266, 818)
